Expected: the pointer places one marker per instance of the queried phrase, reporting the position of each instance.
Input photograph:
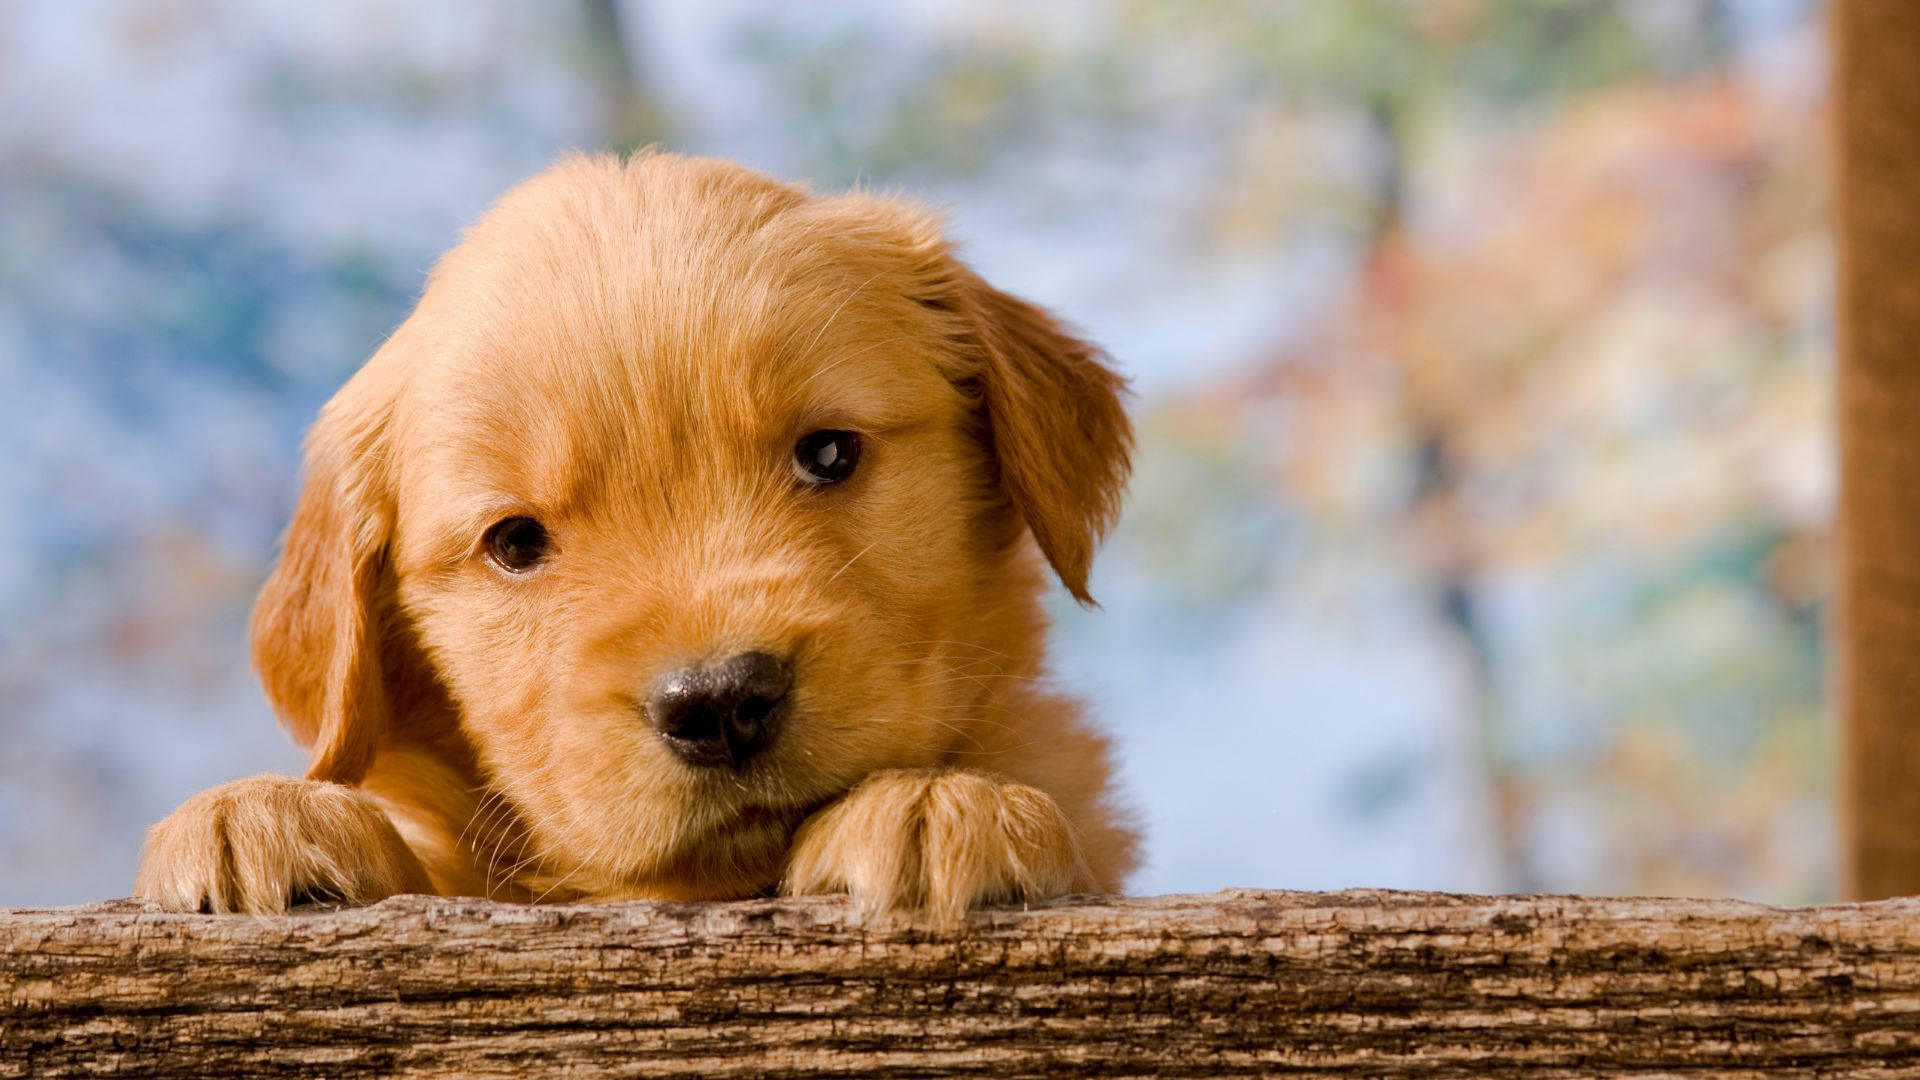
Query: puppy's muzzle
(724, 712)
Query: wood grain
(1235, 983)
(1878, 591)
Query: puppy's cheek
(847, 715)
(604, 792)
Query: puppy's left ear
(1050, 407)
(1056, 423)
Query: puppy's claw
(260, 845)
(938, 842)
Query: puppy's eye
(826, 457)
(517, 543)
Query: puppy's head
(699, 498)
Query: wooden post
(1242, 983)
(1877, 46)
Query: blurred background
(1482, 348)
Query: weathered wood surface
(1237, 983)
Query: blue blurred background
(1483, 352)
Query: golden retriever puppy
(686, 541)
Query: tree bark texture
(1235, 983)
(1878, 72)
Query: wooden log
(1878, 593)
(1236, 983)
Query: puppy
(686, 541)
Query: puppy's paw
(937, 841)
(262, 844)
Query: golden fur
(627, 351)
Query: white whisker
(817, 334)
(850, 562)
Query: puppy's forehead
(623, 314)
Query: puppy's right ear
(317, 625)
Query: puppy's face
(701, 499)
(724, 484)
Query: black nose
(721, 713)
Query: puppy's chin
(664, 850)
(737, 857)
(606, 799)
(643, 823)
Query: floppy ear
(317, 626)
(1051, 409)
(1055, 421)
